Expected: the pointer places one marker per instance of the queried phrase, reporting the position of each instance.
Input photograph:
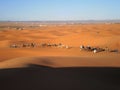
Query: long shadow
(43, 78)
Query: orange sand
(98, 35)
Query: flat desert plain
(57, 67)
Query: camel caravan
(35, 45)
(88, 48)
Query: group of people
(96, 49)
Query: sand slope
(36, 77)
(57, 62)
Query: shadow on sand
(43, 78)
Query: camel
(82, 47)
(32, 45)
(13, 46)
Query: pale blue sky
(25, 10)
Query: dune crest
(58, 62)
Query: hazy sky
(59, 9)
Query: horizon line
(58, 20)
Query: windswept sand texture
(97, 35)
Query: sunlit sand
(69, 36)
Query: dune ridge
(58, 62)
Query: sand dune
(56, 68)
(97, 35)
